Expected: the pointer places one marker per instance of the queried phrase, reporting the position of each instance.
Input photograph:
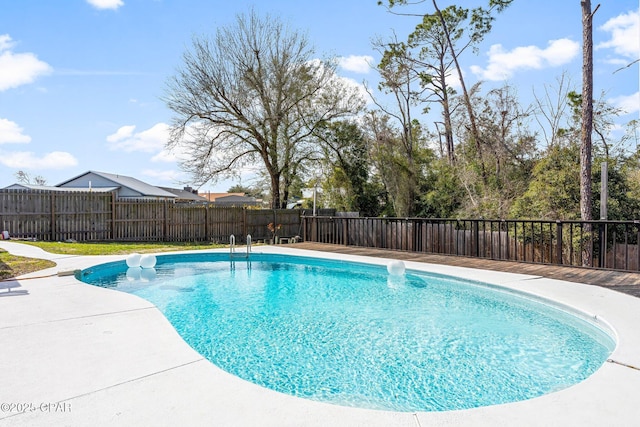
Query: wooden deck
(628, 283)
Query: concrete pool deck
(75, 354)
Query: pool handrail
(232, 246)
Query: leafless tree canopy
(253, 94)
(25, 178)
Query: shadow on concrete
(8, 289)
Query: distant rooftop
(21, 186)
(213, 196)
(185, 194)
(128, 182)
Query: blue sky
(81, 81)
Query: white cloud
(11, 133)
(453, 79)
(28, 160)
(106, 4)
(123, 133)
(625, 35)
(5, 42)
(17, 69)
(349, 86)
(503, 64)
(165, 156)
(359, 87)
(629, 104)
(148, 141)
(357, 64)
(163, 175)
(108, 73)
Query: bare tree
(400, 80)
(25, 178)
(479, 26)
(253, 93)
(551, 110)
(385, 155)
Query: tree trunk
(448, 130)
(446, 113)
(587, 121)
(275, 190)
(285, 197)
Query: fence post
(602, 238)
(206, 222)
(314, 228)
(52, 200)
(476, 239)
(411, 237)
(245, 226)
(304, 228)
(345, 231)
(113, 215)
(559, 242)
(165, 224)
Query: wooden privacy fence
(95, 216)
(595, 244)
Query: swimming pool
(352, 335)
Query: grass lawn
(12, 266)
(117, 248)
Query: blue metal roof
(144, 189)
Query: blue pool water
(351, 334)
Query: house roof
(21, 186)
(184, 194)
(235, 198)
(126, 181)
(212, 197)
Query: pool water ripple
(352, 335)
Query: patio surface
(626, 282)
(74, 354)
